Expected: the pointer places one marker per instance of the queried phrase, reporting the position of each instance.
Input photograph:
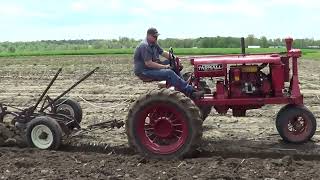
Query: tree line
(124, 42)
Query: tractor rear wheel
(205, 110)
(164, 124)
(295, 124)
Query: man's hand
(181, 67)
(167, 66)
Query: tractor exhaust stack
(242, 45)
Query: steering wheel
(174, 62)
(172, 58)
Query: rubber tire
(290, 111)
(54, 127)
(181, 102)
(74, 105)
(284, 108)
(205, 110)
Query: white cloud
(13, 10)
(242, 7)
(164, 5)
(81, 31)
(140, 11)
(79, 6)
(96, 5)
(173, 18)
(302, 4)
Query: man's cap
(153, 31)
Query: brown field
(232, 148)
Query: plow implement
(44, 124)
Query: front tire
(296, 124)
(164, 124)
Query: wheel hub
(298, 125)
(43, 135)
(66, 109)
(163, 128)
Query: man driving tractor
(147, 64)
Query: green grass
(307, 53)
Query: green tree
(264, 42)
(250, 40)
(12, 49)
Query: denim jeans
(170, 76)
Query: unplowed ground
(233, 148)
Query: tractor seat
(161, 84)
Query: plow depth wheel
(164, 124)
(44, 133)
(296, 124)
(69, 107)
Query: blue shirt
(145, 52)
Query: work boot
(197, 94)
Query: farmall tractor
(166, 124)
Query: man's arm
(154, 65)
(147, 58)
(166, 54)
(163, 52)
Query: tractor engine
(248, 81)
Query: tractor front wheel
(164, 124)
(296, 124)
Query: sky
(31, 20)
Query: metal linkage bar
(66, 91)
(45, 91)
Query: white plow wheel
(42, 136)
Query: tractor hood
(237, 59)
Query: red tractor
(167, 124)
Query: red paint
(244, 81)
(245, 88)
(216, 73)
(285, 62)
(161, 128)
(249, 101)
(289, 42)
(221, 93)
(277, 72)
(266, 87)
(295, 53)
(236, 74)
(249, 59)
